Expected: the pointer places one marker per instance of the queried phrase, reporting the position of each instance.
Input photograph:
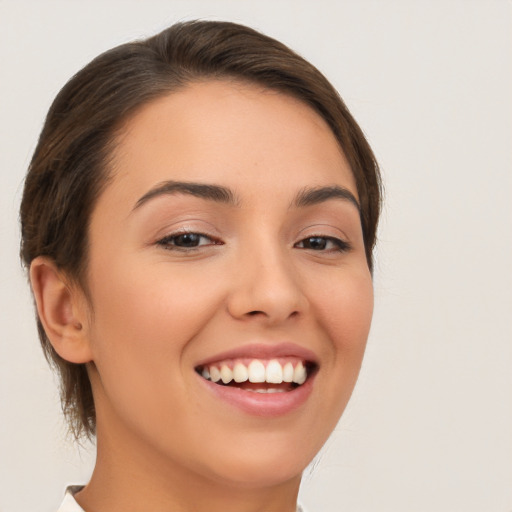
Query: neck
(130, 476)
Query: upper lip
(263, 351)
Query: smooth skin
(259, 269)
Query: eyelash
(339, 245)
(169, 242)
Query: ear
(62, 309)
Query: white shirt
(69, 503)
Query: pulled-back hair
(70, 165)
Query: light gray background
(429, 427)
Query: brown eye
(186, 241)
(316, 243)
(323, 243)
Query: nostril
(262, 313)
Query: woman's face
(228, 243)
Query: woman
(198, 220)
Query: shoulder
(69, 503)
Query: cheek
(345, 307)
(345, 312)
(143, 320)
(134, 297)
(141, 330)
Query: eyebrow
(216, 193)
(308, 196)
(311, 196)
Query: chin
(263, 472)
(266, 460)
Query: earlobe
(61, 309)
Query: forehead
(233, 134)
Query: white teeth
(226, 374)
(274, 372)
(214, 374)
(288, 372)
(256, 371)
(240, 373)
(299, 375)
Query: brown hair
(71, 162)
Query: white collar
(69, 503)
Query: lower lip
(262, 404)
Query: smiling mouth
(259, 375)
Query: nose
(266, 288)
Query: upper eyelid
(186, 232)
(323, 229)
(179, 228)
